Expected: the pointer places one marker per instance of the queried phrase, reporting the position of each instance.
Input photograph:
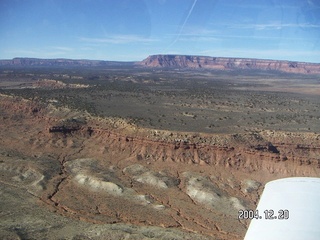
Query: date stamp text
(269, 214)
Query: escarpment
(246, 152)
(223, 63)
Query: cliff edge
(222, 63)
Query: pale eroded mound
(204, 191)
(157, 179)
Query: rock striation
(222, 63)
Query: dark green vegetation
(193, 101)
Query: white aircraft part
(300, 196)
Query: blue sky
(129, 30)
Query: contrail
(184, 23)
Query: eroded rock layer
(111, 172)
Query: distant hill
(60, 62)
(221, 63)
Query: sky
(130, 30)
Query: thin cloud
(87, 48)
(195, 31)
(281, 54)
(38, 53)
(260, 5)
(198, 34)
(272, 26)
(209, 35)
(21, 52)
(59, 48)
(118, 39)
(223, 37)
(199, 39)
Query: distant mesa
(59, 62)
(179, 61)
(222, 63)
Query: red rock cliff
(197, 62)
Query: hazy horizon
(88, 59)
